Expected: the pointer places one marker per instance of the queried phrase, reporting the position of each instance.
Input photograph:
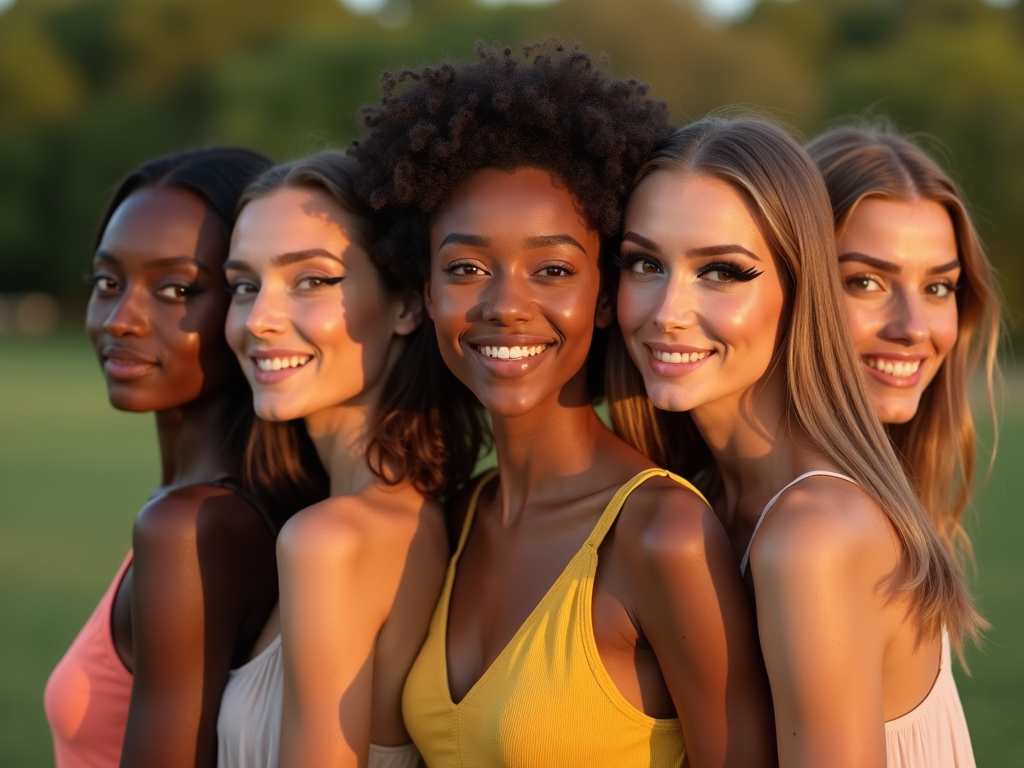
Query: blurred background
(90, 88)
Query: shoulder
(362, 526)
(664, 523)
(824, 525)
(204, 514)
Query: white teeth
(277, 363)
(679, 357)
(900, 370)
(512, 353)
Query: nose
(906, 322)
(674, 308)
(507, 300)
(266, 314)
(128, 317)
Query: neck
(341, 435)
(756, 446)
(193, 444)
(539, 450)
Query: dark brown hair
(937, 446)
(825, 393)
(427, 431)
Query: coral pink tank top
(88, 692)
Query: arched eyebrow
(284, 259)
(169, 261)
(703, 251)
(893, 269)
(537, 241)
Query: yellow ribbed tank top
(547, 700)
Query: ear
(427, 301)
(410, 313)
(604, 314)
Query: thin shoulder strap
(474, 501)
(611, 512)
(770, 504)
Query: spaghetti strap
(474, 502)
(770, 504)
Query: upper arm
(816, 565)
(695, 612)
(342, 572)
(203, 569)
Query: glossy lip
(672, 370)
(906, 382)
(273, 377)
(125, 364)
(507, 368)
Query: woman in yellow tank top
(592, 614)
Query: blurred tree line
(89, 88)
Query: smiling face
(900, 265)
(310, 321)
(700, 299)
(514, 288)
(156, 314)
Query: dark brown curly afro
(554, 107)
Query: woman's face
(156, 314)
(514, 287)
(310, 320)
(700, 298)
(900, 265)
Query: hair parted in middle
(825, 392)
(423, 433)
(554, 107)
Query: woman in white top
(924, 313)
(326, 333)
(732, 314)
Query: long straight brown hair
(427, 430)
(825, 393)
(937, 446)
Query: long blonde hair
(937, 446)
(825, 393)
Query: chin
(896, 413)
(669, 397)
(271, 409)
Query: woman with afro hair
(592, 613)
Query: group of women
(755, 565)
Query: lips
(509, 355)
(899, 372)
(671, 360)
(124, 364)
(274, 365)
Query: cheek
(944, 327)
(745, 320)
(632, 307)
(234, 328)
(865, 323)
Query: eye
(464, 269)
(102, 283)
(242, 288)
(637, 263)
(176, 291)
(725, 272)
(314, 282)
(862, 284)
(555, 270)
(941, 290)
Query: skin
(514, 264)
(841, 655)
(900, 265)
(203, 577)
(360, 571)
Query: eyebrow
(888, 266)
(284, 259)
(170, 261)
(707, 250)
(538, 241)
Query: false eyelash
(733, 271)
(89, 278)
(627, 260)
(330, 280)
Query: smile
(511, 353)
(899, 370)
(280, 363)
(678, 357)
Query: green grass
(73, 472)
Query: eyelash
(187, 291)
(732, 270)
(627, 260)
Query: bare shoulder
(825, 524)
(663, 522)
(362, 526)
(207, 514)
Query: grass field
(73, 472)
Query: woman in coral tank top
(141, 684)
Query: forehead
(512, 206)
(670, 206)
(291, 220)
(165, 222)
(917, 231)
